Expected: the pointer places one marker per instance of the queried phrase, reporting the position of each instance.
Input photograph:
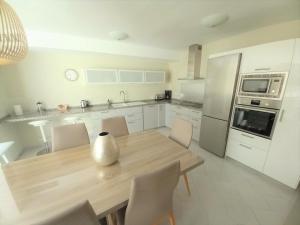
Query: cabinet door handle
(130, 115)
(131, 122)
(260, 69)
(104, 112)
(281, 115)
(245, 146)
(245, 135)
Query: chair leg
(111, 219)
(172, 218)
(186, 181)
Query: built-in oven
(254, 120)
(263, 85)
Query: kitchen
(239, 94)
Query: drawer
(132, 110)
(195, 121)
(195, 114)
(104, 114)
(134, 116)
(174, 108)
(181, 109)
(182, 116)
(135, 126)
(258, 142)
(246, 154)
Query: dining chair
(41, 125)
(116, 126)
(80, 214)
(182, 132)
(69, 136)
(151, 197)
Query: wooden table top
(36, 188)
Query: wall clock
(71, 74)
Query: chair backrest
(182, 132)
(81, 214)
(116, 126)
(69, 136)
(151, 195)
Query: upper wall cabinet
(101, 76)
(155, 76)
(114, 76)
(131, 76)
(276, 56)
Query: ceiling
(167, 24)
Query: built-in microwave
(262, 85)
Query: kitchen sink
(124, 104)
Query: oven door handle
(255, 109)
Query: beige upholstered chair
(69, 136)
(81, 214)
(182, 132)
(151, 197)
(116, 126)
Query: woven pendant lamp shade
(13, 42)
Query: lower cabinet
(192, 115)
(93, 121)
(170, 115)
(248, 149)
(138, 118)
(134, 119)
(161, 115)
(135, 126)
(151, 116)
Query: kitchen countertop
(52, 113)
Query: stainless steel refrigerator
(220, 85)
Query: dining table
(37, 188)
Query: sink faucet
(109, 102)
(124, 95)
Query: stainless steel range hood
(194, 62)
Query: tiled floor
(225, 192)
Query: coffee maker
(168, 94)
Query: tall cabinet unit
(283, 161)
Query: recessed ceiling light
(118, 35)
(215, 19)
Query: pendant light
(13, 42)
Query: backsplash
(193, 91)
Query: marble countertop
(52, 113)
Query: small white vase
(105, 151)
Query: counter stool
(71, 120)
(41, 124)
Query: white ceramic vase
(105, 151)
